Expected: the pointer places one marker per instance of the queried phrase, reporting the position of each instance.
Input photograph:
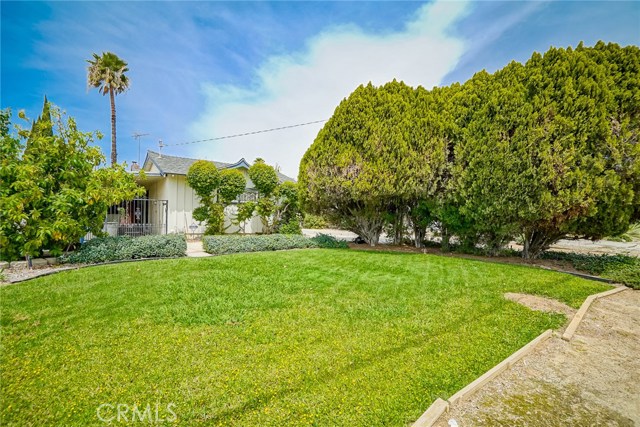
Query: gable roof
(180, 165)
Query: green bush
(330, 242)
(230, 244)
(621, 268)
(314, 221)
(291, 227)
(103, 249)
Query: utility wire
(246, 133)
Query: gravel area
(594, 380)
(19, 273)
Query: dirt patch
(539, 303)
(592, 380)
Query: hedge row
(103, 249)
(229, 244)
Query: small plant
(329, 242)
(291, 227)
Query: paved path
(194, 249)
(598, 247)
(594, 380)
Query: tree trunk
(114, 153)
(536, 242)
(367, 225)
(398, 227)
(444, 244)
(419, 234)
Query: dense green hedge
(230, 244)
(102, 249)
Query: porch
(137, 217)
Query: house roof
(180, 165)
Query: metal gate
(138, 217)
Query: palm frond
(107, 72)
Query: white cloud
(307, 86)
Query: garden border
(81, 266)
(577, 318)
(440, 406)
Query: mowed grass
(309, 337)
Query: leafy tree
(232, 184)
(277, 203)
(216, 189)
(107, 74)
(264, 177)
(204, 178)
(244, 214)
(287, 208)
(53, 193)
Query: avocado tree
(52, 190)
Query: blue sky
(207, 69)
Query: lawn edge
(577, 318)
(440, 406)
(437, 408)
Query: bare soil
(594, 380)
(538, 303)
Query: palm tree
(106, 73)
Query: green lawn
(309, 337)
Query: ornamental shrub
(291, 227)
(264, 177)
(314, 221)
(104, 249)
(218, 245)
(329, 242)
(621, 268)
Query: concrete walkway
(194, 249)
(592, 380)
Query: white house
(169, 202)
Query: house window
(247, 196)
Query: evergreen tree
(542, 150)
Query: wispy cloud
(308, 85)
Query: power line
(246, 133)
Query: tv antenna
(137, 136)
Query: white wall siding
(183, 200)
